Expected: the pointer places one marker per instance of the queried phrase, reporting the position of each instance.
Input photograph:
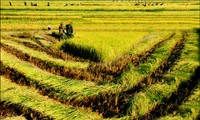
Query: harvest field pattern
(125, 61)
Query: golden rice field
(125, 61)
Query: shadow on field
(198, 32)
(54, 34)
(81, 51)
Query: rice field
(126, 61)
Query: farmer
(61, 31)
(35, 4)
(10, 3)
(69, 29)
(48, 4)
(49, 27)
(144, 3)
(25, 3)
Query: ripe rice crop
(125, 61)
(106, 44)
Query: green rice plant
(30, 98)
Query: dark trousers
(61, 36)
